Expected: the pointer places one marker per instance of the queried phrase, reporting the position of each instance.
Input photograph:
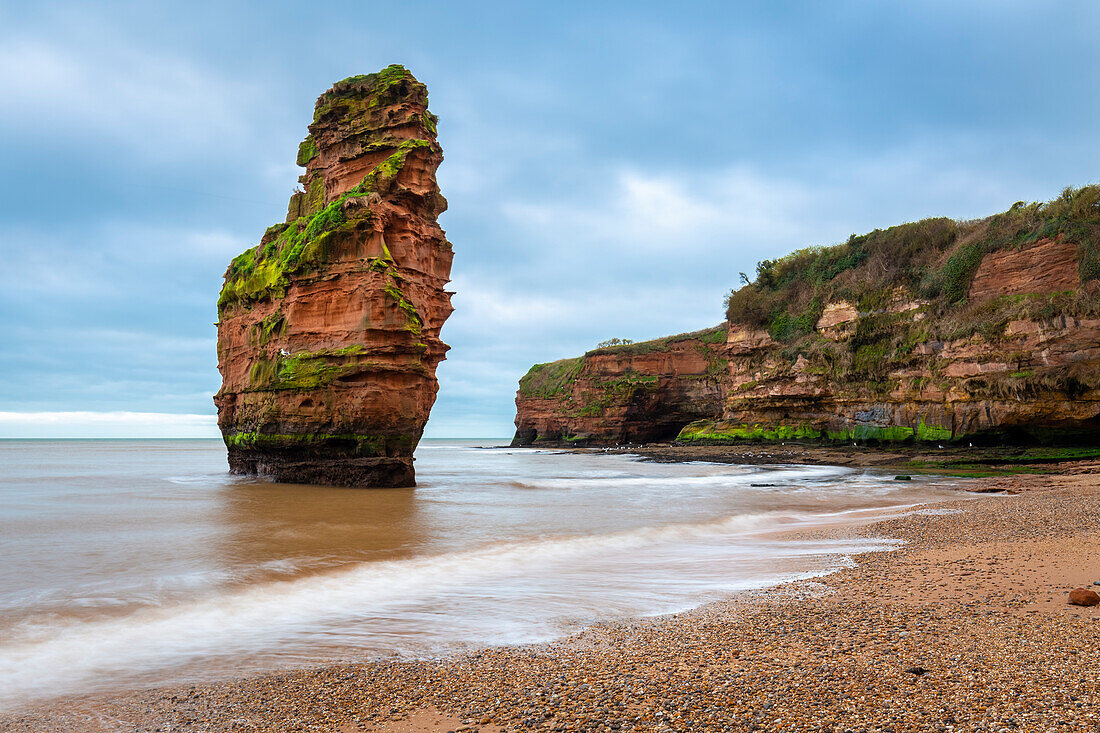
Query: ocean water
(130, 563)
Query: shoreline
(975, 598)
(951, 460)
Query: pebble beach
(965, 628)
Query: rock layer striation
(329, 328)
(940, 331)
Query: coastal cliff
(328, 329)
(627, 393)
(983, 331)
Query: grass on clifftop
(927, 266)
(552, 379)
(713, 335)
(555, 378)
(934, 259)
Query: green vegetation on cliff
(556, 378)
(605, 392)
(910, 285)
(413, 321)
(934, 259)
(607, 382)
(307, 151)
(270, 327)
(713, 335)
(550, 380)
(264, 272)
(711, 431)
(357, 96)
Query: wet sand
(905, 458)
(965, 628)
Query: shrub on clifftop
(935, 259)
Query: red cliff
(328, 331)
(627, 393)
(979, 331)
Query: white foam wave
(740, 477)
(75, 654)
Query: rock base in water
(290, 469)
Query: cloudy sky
(610, 166)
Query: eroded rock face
(935, 331)
(1035, 380)
(1027, 380)
(328, 332)
(633, 393)
(1047, 266)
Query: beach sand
(966, 628)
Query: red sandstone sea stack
(328, 330)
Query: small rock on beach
(1083, 597)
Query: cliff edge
(983, 331)
(328, 329)
(638, 392)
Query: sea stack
(328, 329)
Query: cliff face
(328, 332)
(629, 393)
(985, 331)
(1035, 380)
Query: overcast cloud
(610, 167)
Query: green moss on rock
(265, 271)
(722, 431)
(314, 200)
(413, 322)
(307, 150)
(349, 444)
(362, 93)
(712, 431)
(270, 327)
(430, 122)
(603, 393)
(306, 369)
(932, 433)
(388, 169)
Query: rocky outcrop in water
(938, 331)
(328, 330)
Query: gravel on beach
(966, 628)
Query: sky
(611, 167)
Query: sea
(126, 563)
